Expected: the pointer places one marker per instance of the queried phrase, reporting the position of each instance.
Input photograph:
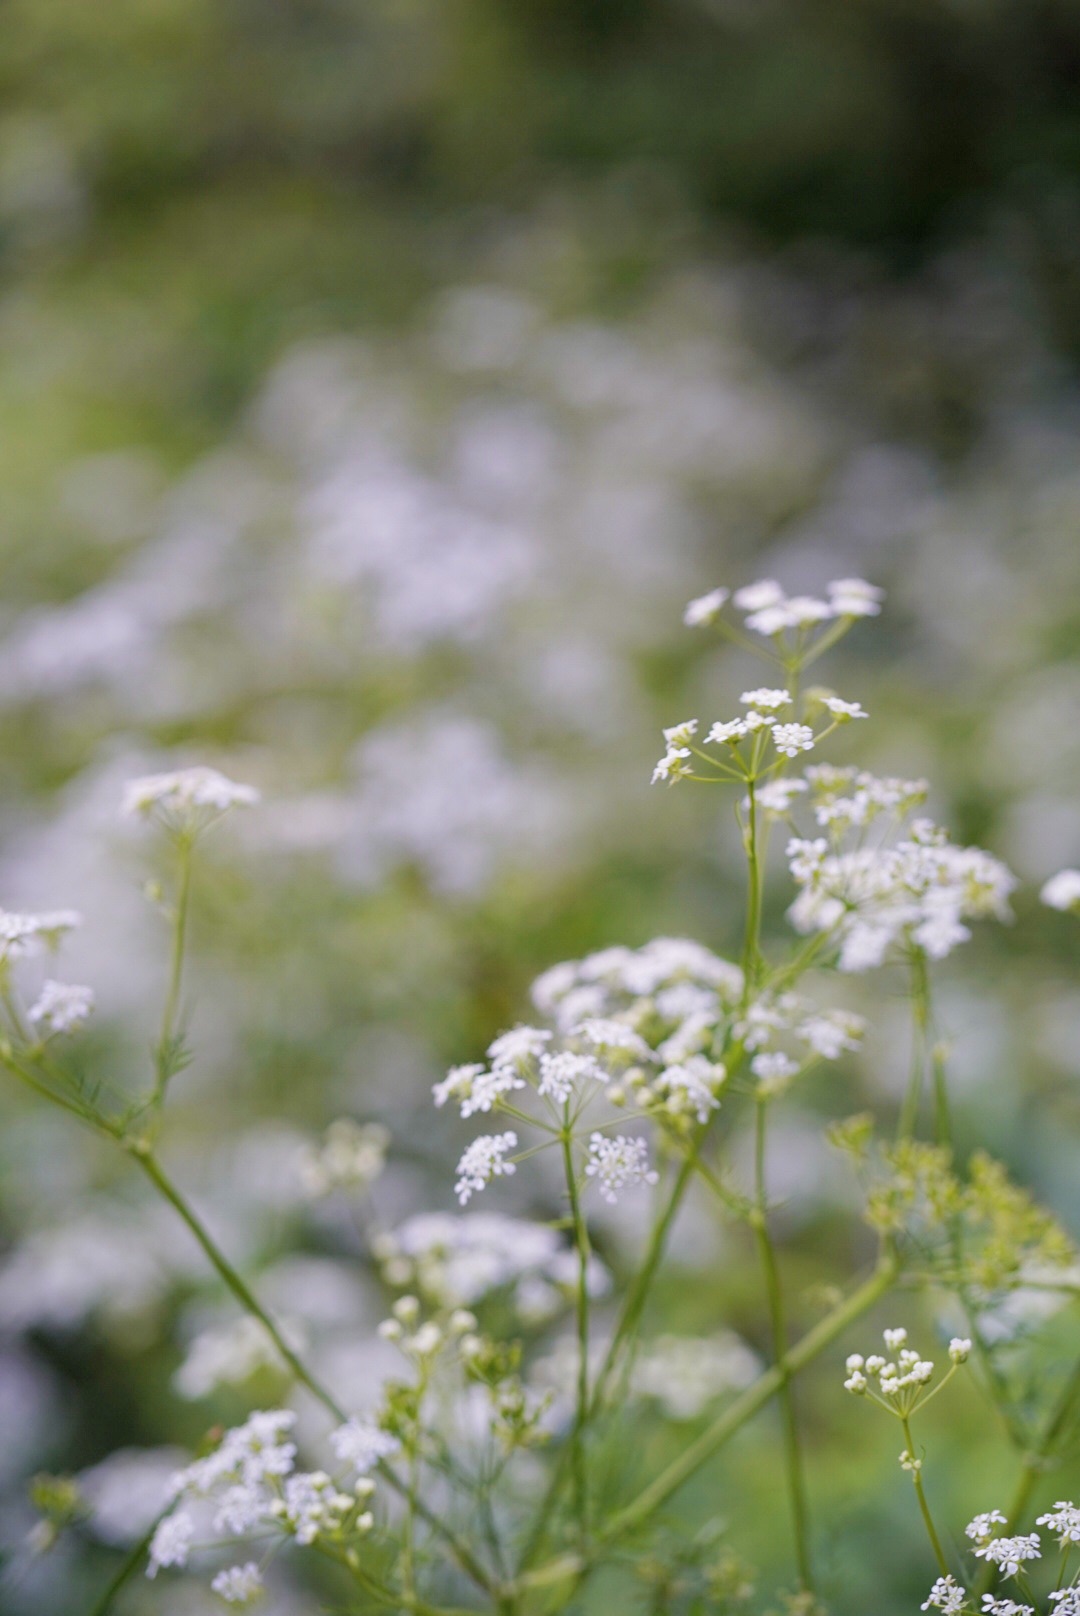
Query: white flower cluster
(768, 611)
(901, 1381)
(760, 722)
(230, 1356)
(455, 1260)
(1062, 891)
(617, 1162)
(61, 1007)
(684, 1374)
(25, 935)
(482, 1161)
(186, 801)
(916, 893)
(946, 1595)
(249, 1485)
(351, 1156)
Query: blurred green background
(377, 381)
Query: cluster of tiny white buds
(791, 739)
(844, 711)
(765, 699)
(908, 1461)
(616, 1163)
(482, 1161)
(901, 1381)
(61, 1007)
(239, 1585)
(946, 1595)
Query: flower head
(186, 800)
(1062, 891)
(617, 1162)
(705, 609)
(484, 1160)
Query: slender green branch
(744, 1407)
(920, 1011)
(165, 1054)
(796, 1481)
(577, 1436)
(920, 1494)
(132, 1562)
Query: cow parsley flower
(361, 1445)
(773, 1068)
(681, 734)
(61, 1007)
(844, 710)
(616, 1163)
(171, 1542)
(1062, 891)
(350, 1156)
(186, 800)
(705, 609)
(854, 597)
(484, 1160)
(993, 1605)
(1010, 1553)
(765, 699)
(672, 766)
(563, 1074)
(981, 1528)
(946, 1595)
(1064, 1521)
(23, 935)
(239, 1585)
(755, 597)
(518, 1047)
(729, 734)
(615, 1041)
(777, 796)
(791, 739)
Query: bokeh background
(378, 378)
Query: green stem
(131, 1564)
(744, 1407)
(165, 1054)
(796, 1481)
(924, 1507)
(577, 1436)
(920, 1011)
(752, 944)
(1035, 1462)
(251, 1304)
(629, 1319)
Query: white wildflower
(61, 1007)
(614, 1039)
(844, 710)
(1062, 891)
(981, 1528)
(239, 1585)
(362, 1445)
(946, 1595)
(351, 1155)
(776, 796)
(705, 609)
(773, 1068)
(1064, 1521)
(21, 935)
(959, 1349)
(766, 699)
(672, 766)
(484, 1160)
(994, 1605)
(563, 1073)
(754, 597)
(832, 1032)
(791, 739)
(729, 733)
(681, 734)
(171, 1542)
(854, 597)
(186, 799)
(616, 1163)
(1010, 1553)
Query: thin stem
(924, 1507)
(920, 1012)
(752, 943)
(796, 1482)
(166, 1053)
(744, 1407)
(577, 1436)
(629, 1318)
(251, 1304)
(131, 1563)
(1035, 1462)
